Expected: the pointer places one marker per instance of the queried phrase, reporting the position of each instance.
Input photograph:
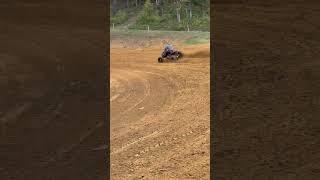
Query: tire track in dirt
(161, 130)
(143, 97)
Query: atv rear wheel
(179, 54)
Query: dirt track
(51, 86)
(159, 114)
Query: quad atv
(175, 55)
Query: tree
(164, 14)
(148, 15)
(113, 6)
(178, 5)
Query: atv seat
(167, 53)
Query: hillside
(161, 15)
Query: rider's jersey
(168, 47)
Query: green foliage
(201, 23)
(193, 13)
(120, 17)
(148, 15)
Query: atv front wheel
(160, 60)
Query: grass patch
(187, 38)
(200, 38)
(194, 41)
(162, 34)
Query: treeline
(163, 14)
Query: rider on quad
(168, 49)
(169, 53)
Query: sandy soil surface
(268, 82)
(51, 86)
(159, 113)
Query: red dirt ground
(160, 118)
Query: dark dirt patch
(267, 94)
(51, 79)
